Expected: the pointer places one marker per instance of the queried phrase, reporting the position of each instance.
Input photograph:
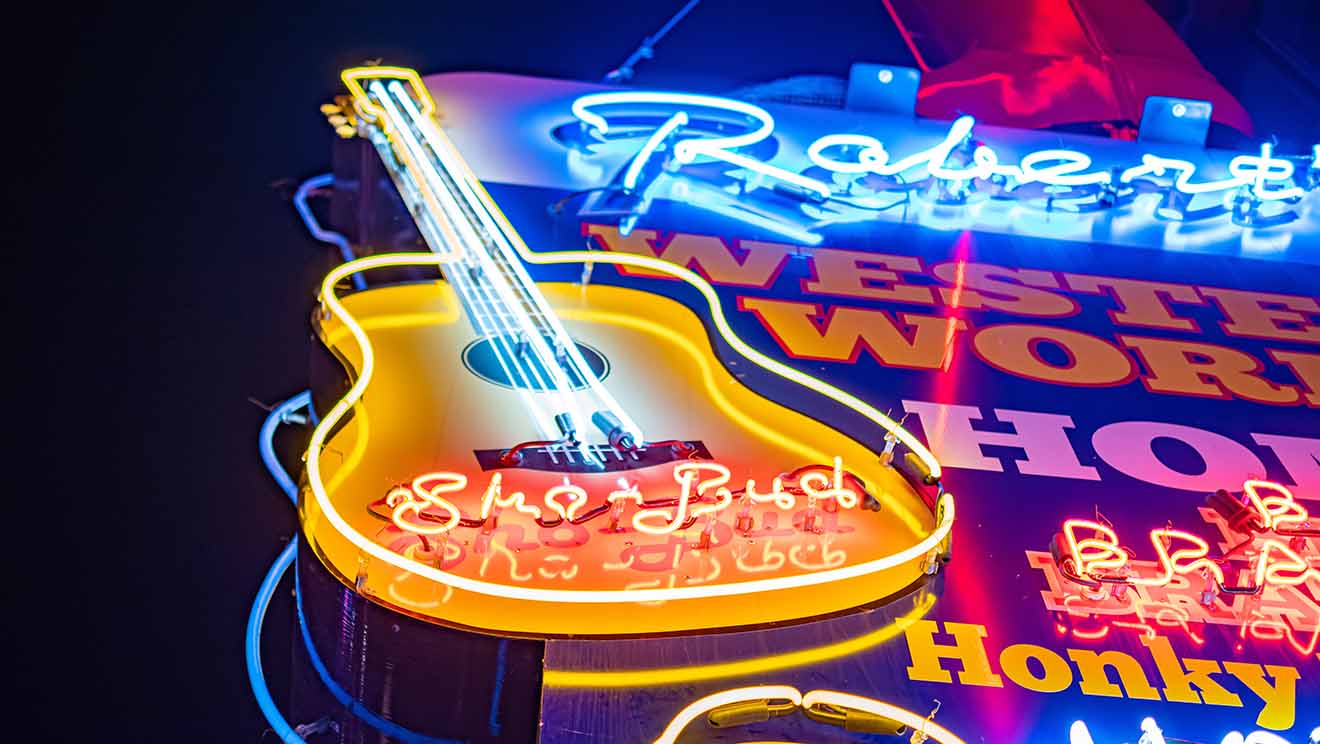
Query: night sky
(164, 279)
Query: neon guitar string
(527, 313)
(372, 112)
(426, 224)
(479, 297)
(460, 168)
(455, 166)
(519, 280)
(589, 596)
(536, 340)
(470, 241)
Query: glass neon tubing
(448, 155)
(724, 697)
(252, 646)
(314, 227)
(266, 442)
(256, 617)
(435, 240)
(355, 392)
(644, 154)
(1063, 167)
(543, 420)
(470, 241)
(688, 150)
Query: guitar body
(435, 405)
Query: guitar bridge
(594, 458)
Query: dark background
(163, 280)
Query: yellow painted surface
(424, 411)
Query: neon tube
(505, 230)
(448, 155)
(257, 615)
(252, 647)
(266, 442)
(644, 154)
(688, 150)
(1059, 167)
(472, 243)
(917, 723)
(314, 227)
(367, 371)
(710, 702)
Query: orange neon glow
(1091, 555)
(1178, 562)
(1099, 556)
(1269, 629)
(1277, 566)
(492, 501)
(577, 499)
(1291, 570)
(426, 492)
(480, 586)
(1278, 510)
(829, 487)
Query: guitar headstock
(359, 79)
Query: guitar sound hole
(502, 361)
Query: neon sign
(437, 489)
(1278, 539)
(434, 491)
(956, 164)
(1151, 733)
(437, 492)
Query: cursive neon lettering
(1267, 177)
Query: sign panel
(1090, 388)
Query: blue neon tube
(252, 647)
(314, 227)
(255, 618)
(266, 441)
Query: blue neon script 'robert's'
(1263, 174)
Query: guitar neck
(456, 218)
(453, 218)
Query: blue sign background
(1000, 515)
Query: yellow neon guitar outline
(333, 306)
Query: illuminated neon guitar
(575, 459)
